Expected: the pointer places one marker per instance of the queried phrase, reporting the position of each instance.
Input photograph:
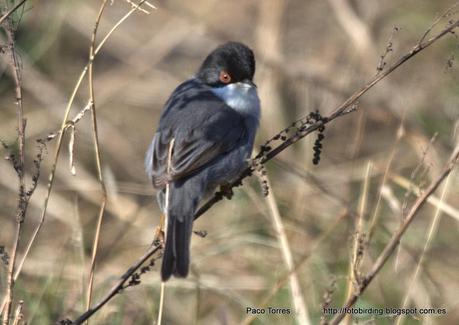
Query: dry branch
(92, 104)
(430, 235)
(19, 166)
(301, 311)
(7, 14)
(341, 110)
(395, 239)
(129, 278)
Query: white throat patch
(240, 97)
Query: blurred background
(310, 55)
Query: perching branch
(129, 278)
(290, 135)
(303, 127)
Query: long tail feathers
(168, 264)
(176, 258)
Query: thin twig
(92, 102)
(354, 277)
(395, 239)
(375, 216)
(141, 9)
(437, 21)
(18, 316)
(432, 231)
(434, 200)
(118, 287)
(6, 15)
(19, 166)
(166, 217)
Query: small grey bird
(211, 119)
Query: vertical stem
(301, 311)
(98, 157)
(19, 166)
(166, 215)
(357, 249)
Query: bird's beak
(249, 83)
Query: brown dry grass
(308, 58)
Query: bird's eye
(225, 77)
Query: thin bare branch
(395, 239)
(92, 102)
(302, 131)
(355, 276)
(122, 283)
(166, 217)
(301, 311)
(432, 231)
(7, 14)
(19, 166)
(445, 14)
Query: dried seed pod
(320, 136)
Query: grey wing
(218, 132)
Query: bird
(204, 140)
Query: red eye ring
(225, 77)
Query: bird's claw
(227, 191)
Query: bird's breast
(241, 97)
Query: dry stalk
(19, 166)
(9, 12)
(92, 104)
(432, 231)
(129, 278)
(166, 217)
(134, 5)
(434, 200)
(18, 316)
(375, 216)
(301, 311)
(343, 109)
(395, 239)
(354, 277)
(286, 276)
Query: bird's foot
(227, 191)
